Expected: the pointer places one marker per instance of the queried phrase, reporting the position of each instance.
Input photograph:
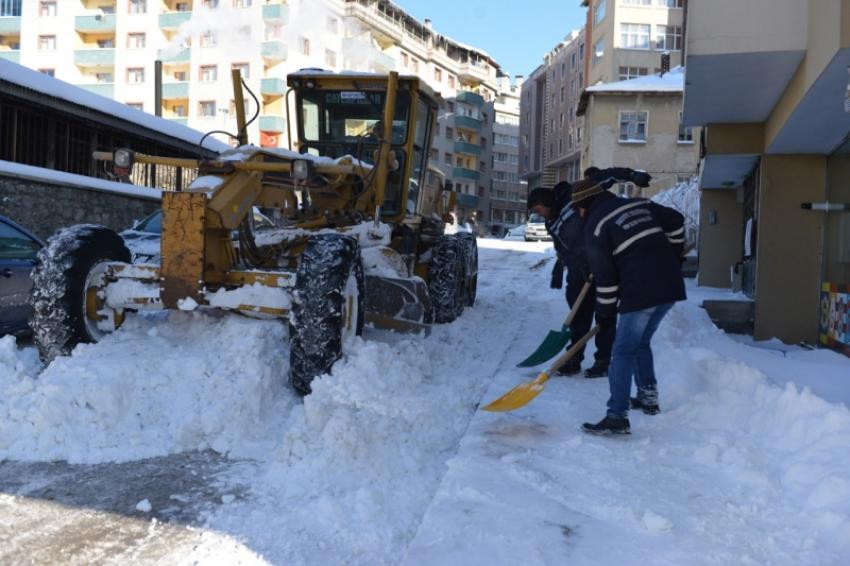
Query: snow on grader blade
(360, 234)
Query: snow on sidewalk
(735, 470)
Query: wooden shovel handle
(584, 290)
(566, 356)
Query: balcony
(274, 51)
(99, 23)
(13, 56)
(474, 71)
(10, 25)
(386, 30)
(94, 57)
(276, 124)
(470, 98)
(181, 56)
(103, 89)
(174, 91)
(272, 87)
(276, 13)
(468, 122)
(467, 201)
(464, 173)
(171, 21)
(468, 148)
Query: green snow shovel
(556, 340)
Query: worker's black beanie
(543, 196)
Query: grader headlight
(301, 169)
(124, 158)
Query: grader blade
(402, 305)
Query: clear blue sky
(516, 33)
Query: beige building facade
(770, 87)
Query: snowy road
(185, 448)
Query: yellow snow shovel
(524, 393)
(555, 340)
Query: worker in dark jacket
(634, 248)
(566, 228)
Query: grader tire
(470, 252)
(327, 307)
(58, 292)
(445, 283)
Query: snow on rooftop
(23, 76)
(672, 81)
(20, 171)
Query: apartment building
(551, 129)
(508, 194)
(770, 87)
(109, 47)
(627, 37)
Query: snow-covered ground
(389, 461)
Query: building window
(438, 75)
(628, 73)
(599, 12)
(209, 73)
(573, 60)
(435, 154)
(573, 87)
(182, 7)
(47, 9)
(273, 32)
(137, 6)
(626, 190)
(633, 126)
(181, 76)
(104, 78)
(581, 51)
(450, 133)
(598, 51)
(136, 106)
(634, 36)
(330, 58)
(562, 94)
(243, 68)
(451, 81)
(332, 25)
(447, 158)
(405, 60)
(686, 133)
(48, 72)
(668, 38)
(637, 2)
(106, 43)
(209, 39)
(135, 75)
(206, 109)
(304, 45)
(416, 66)
(241, 3)
(210, 4)
(179, 110)
(671, 3)
(10, 8)
(135, 40)
(47, 42)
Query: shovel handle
(584, 290)
(565, 357)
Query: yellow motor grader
(361, 234)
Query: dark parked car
(18, 250)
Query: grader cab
(360, 235)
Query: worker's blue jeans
(632, 356)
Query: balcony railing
(99, 23)
(275, 124)
(173, 20)
(181, 56)
(103, 89)
(468, 148)
(467, 201)
(464, 173)
(277, 13)
(274, 50)
(172, 91)
(10, 25)
(470, 98)
(272, 87)
(468, 122)
(95, 57)
(13, 56)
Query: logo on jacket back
(632, 218)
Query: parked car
(535, 229)
(18, 250)
(143, 239)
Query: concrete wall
(719, 244)
(44, 208)
(789, 250)
(662, 155)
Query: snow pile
(165, 383)
(684, 197)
